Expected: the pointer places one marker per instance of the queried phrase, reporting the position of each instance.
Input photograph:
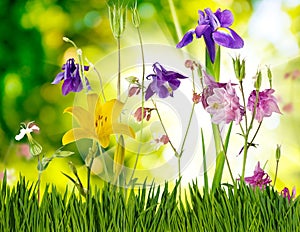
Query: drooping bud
(119, 157)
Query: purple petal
(200, 30)
(174, 84)
(187, 38)
(163, 92)
(149, 93)
(59, 77)
(67, 87)
(225, 17)
(227, 38)
(213, 20)
(211, 46)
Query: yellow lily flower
(98, 122)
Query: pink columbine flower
(162, 140)
(146, 114)
(266, 105)
(286, 193)
(224, 105)
(259, 179)
(134, 90)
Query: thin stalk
(143, 103)
(276, 172)
(187, 129)
(119, 69)
(204, 164)
(244, 103)
(93, 151)
(247, 135)
(164, 128)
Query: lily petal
(83, 117)
(119, 128)
(76, 134)
(228, 38)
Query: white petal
(21, 135)
(34, 127)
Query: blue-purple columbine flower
(71, 77)
(163, 82)
(214, 27)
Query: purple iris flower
(214, 27)
(71, 77)
(163, 82)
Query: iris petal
(187, 38)
(228, 38)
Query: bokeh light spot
(92, 19)
(13, 85)
(146, 10)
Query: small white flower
(26, 130)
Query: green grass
(157, 208)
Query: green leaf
(62, 154)
(213, 69)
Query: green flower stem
(92, 154)
(246, 146)
(100, 78)
(39, 182)
(204, 164)
(119, 69)
(143, 103)
(276, 172)
(213, 69)
(244, 104)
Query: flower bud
(135, 17)
(117, 19)
(239, 68)
(73, 168)
(34, 147)
(257, 83)
(270, 77)
(278, 152)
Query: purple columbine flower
(259, 179)
(266, 105)
(163, 82)
(214, 27)
(286, 193)
(71, 77)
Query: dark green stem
(143, 102)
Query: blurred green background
(32, 52)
